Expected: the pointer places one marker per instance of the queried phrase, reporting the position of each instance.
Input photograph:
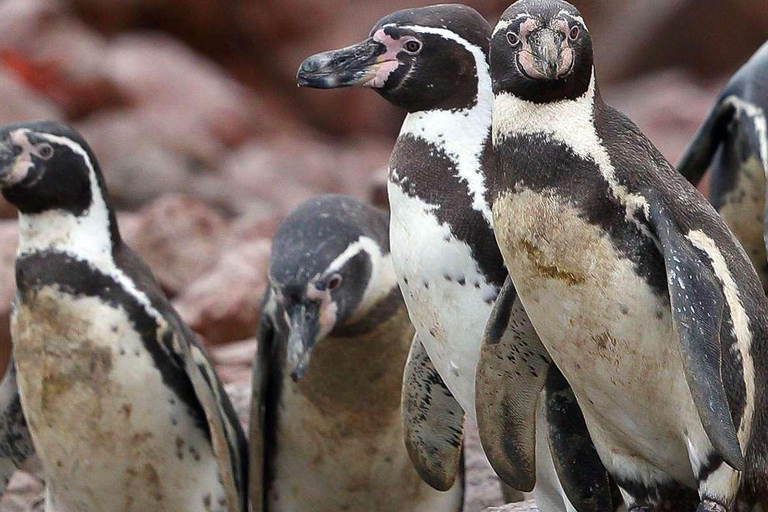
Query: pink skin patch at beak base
(23, 162)
(387, 62)
(527, 59)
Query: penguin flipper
(699, 153)
(695, 292)
(15, 442)
(183, 348)
(579, 469)
(265, 334)
(511, 373)
(433, 421)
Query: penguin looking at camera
(642, 297)
(333, 337)
(432, 62)
(123, 406)
(734, 140)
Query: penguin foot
(710, 506)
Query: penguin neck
(461, 133)
(380, 284)
(91, 236)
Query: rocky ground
(206, 143)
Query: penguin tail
(701, 150)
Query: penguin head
(417, 59)
(329, 266)
(47, 166)
(541, 51)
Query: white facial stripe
(503, 24)
(568, 122)
(461, 134)
(740, 320)
(382, 278)
(577, 19)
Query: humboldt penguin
(123, 406)
(734, 139)
(432, 62)
(333, 337)
(640, 294)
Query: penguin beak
(355, 65)
(305, 329)
(550, 57)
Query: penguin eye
(413, 46)
(574, 33)
(513, 38)
(45, 151)
(334, 282)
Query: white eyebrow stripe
(577, 19)
(503, 24)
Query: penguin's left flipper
(15, 442)
(433, 421)
(511, 373)
(698, 301)
(700, 152)
(582, 474)
(259, 429)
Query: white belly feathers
(448, 299)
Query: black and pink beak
(362, 64)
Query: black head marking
(541, 51)
(312, 237)
(417, 59)
(46, 166)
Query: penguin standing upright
(326, 433)
(432, 62)
(123, 406)
(735, 137)
(641, 295)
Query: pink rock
(234, 361)
(137, 165)
(21, 103)
(223, 305)
(164, 75)
(180, 239)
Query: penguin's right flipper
(15, 442)
(433, 421)
(259, 427)
(579, 469)
(699, 153)
(511, 373)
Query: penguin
(16, 446)
(432, 63)
(735, 137)
(123, 406)
(641, 296)
(332, 342)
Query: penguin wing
(15, 442)
(265, 336)
(433, 421)
(511, 373)
(700, 151)
(579, 469)
(183, 348)
(697, 299)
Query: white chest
(110, 434)
(448, 299)
(607, 331)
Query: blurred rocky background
(206, 142)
